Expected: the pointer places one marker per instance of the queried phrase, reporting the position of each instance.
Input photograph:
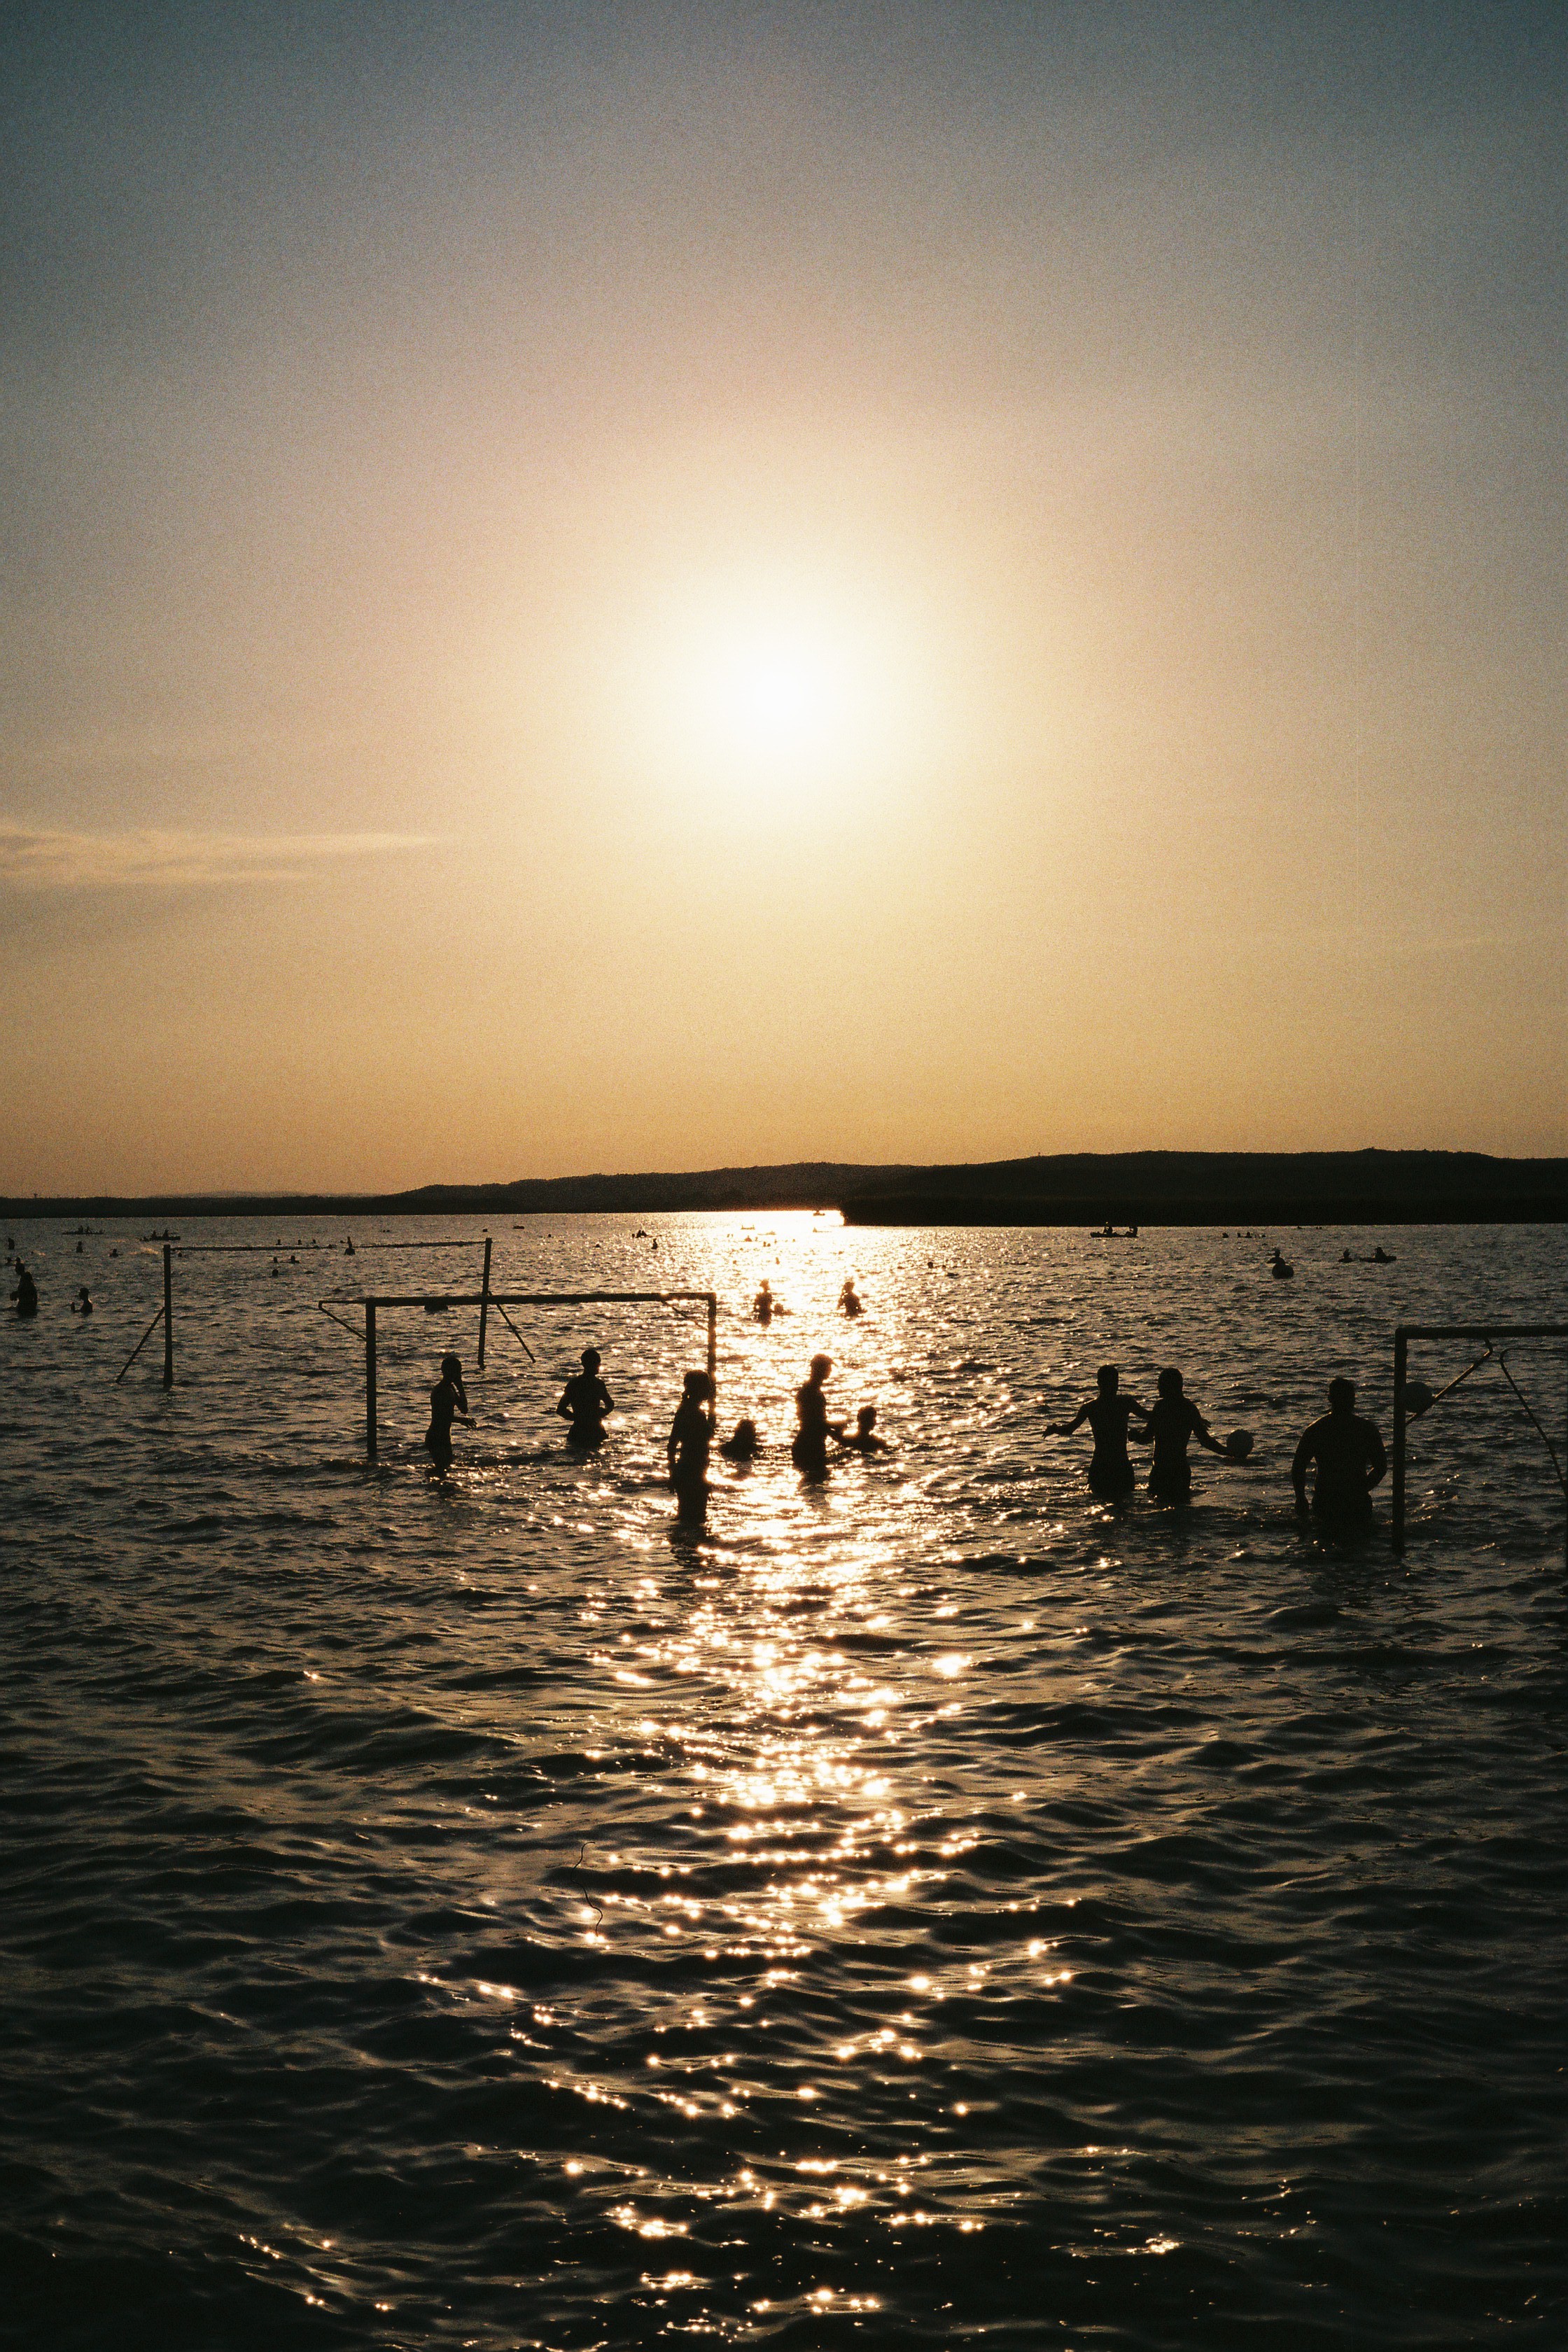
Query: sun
(771, 693)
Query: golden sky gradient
(610, 588)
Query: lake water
(935, 1909)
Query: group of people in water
(1342, 1449)
(764, 1306)
(585, 1405)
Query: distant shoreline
(1078, 1189)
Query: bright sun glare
(776, 694)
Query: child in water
(448, 1402)
(690, 1436)
(808, 1450)
(1173, 1422)
(585, 1402)
(745, 1446)
(865, 1440)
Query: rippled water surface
(933, 1909)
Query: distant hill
(1225, 1188)
(1155, 1187)
(801, 1184)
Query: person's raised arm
(1066, 1428)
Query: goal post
(486, 1297)
(1411, 1403)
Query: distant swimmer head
(1342, 1395)
(820, 1367)
(1108, 1376)
(866, 1420)
(590, 1359)
(1169, 1383)
(699, 1386)
(451, 1368)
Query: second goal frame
(1488, 1334)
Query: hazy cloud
(176, 860)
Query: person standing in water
(26, 1292)
(1107, 1414)
(849, 1302)
(1350, 1459)
(449, 1402)
(1174, 1420)
(762, 1304)
(585, 1402)
(808, 1450)
(690, 1436)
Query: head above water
(820, 1368)
(1342, 1395)
(1170, 1383)
(590, 1359)
(699, 1386)
(866, 1418)
(1108, 1376)
(451, 1368)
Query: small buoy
(1418, 1399)
(1238, 1445)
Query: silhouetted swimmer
(848, 1304)
(865, 1440)
(745, 1446)
(79, 1247)
(1345, 1258)
(690, 1436)
(1281, 1268)
(449, 1402)
(26, 1292)
(1350, 1459)
(1173, 1420)
(764, 1304)
(1381, 1257)
(1107, 1414)
(81, 1303)
(808, 1449)
(348, 1248)
(585, 1402)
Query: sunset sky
(598, 587)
